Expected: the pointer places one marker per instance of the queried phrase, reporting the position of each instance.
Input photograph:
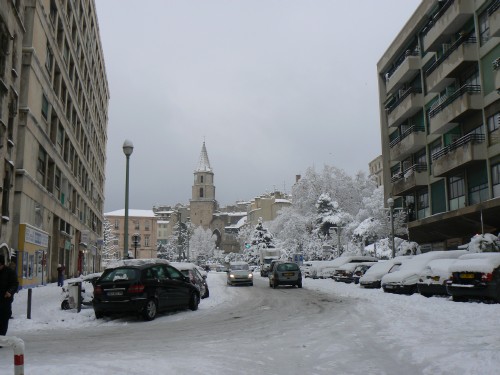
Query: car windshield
(239, 267)
(288, 267)
(121, 274)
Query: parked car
(345, 273)
(405, 279)
(143, 287)
(325, 269)
(285, 273)
(433, 278)
(475, 275)
(239, 273)
(306, 269)
(192, 271)
(360, 270)
(373, 276)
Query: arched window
(201, 192)
(201, 179)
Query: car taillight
(97, 290)
(136, 288)
(486, 277)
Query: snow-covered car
(475, 275)
(345, 273)
(239, 273)
(326, 269)
(306, 269)
(433, 278)
(192, 271)
(405, 279)
(373, 276)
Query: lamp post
(390, 203)
(128, 148)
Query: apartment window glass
(42, 159)
(146, 241)
(136, 225)
(147, 225)
(495, 179)
(456, 192)
(117, 224)
(484, 27)
(422, 203)
(45, 107)
(494, 122)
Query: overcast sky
(272, 86)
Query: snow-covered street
(324, 328)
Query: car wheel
(98, 315)
(299, 284)
(65, 305)
(150, 310)
(275, 284)
(459, 299)
(207, 293)
(193, 302)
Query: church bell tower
(203, 203)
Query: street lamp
(128, 148)
(390, 203)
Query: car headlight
(250, 275)
(231, 276)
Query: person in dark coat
(60, 275)
(8, 286)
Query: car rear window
(288, 267)
(121, 274)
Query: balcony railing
(493, 7)
(465, 89)
(419, 167)
(403, 96)
(400, 61)
(436, 17)
(469, 38)
(406, 133)
(469, 138)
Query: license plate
(118, 293)
(288, 274)
(388, 286)
(466, 275)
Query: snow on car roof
(136, 262)
(183, 265)
(439, 267)
(477, 262)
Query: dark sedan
(143, 288)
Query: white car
(433, 278)
(405, 279)
(372, 277)
(326, 269)
(239, 273)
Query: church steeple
(204, 163)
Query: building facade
(140, 222)
(54, 101)
(376, 170)
(439, 85)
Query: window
(45, 107)
(117, 224)
(201, 179)
(456, 192)
(42, 159)
(136, 225)
(146, 225)
(422, 204)
(146, 241)
(495, 179)
(493, 122)
(49, 59)
(484, 27)
(201, 192)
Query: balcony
(410, 141)
(410, 180)
(494, 18)
(441, 74)
(451, 109)
(447, 21)
(464, 151)
(406, 105)
(403, 72)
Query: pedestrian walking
(8, 286)
(60, 275)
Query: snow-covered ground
(327, 327)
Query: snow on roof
(282, 201)
(135, 262)
(477, 262)
(204, 163)
(382, 267)
(132, 213)
(438, 267)
(181, 266)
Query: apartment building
(439, 85)
(140, 222)
(377, 170)
(53, 110)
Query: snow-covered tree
(201, 244)
(482, 243)
(109, 251)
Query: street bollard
(28, 313)
(18, 345)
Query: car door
(155, 280)
(177, 287)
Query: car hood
(400, 276)
(240, 272)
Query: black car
(143, 288)
(475, 276)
